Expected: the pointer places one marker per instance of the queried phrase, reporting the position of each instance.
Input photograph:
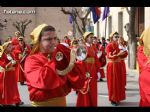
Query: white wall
(114, 13)
(147, 17)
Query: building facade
(117, 19)
(49, 15)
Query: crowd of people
(51, 70)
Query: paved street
(132, 93)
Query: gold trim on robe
(59, 101)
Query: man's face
(115, 38)
(48, 41)
(94, 40)
(21, 43)
(89, 39)
(9, 48)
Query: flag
(105, 13)
(96, 13)
(70, 19)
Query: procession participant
(51, 71)
(141, 58)
(67, 40)
(21, 52)
(15, 39)
(74, 43)
(87, 96)
(81, 41)
(144, 62)
(123, 48)
(9, 93)
(115, 80)
(104, 43)
(101, 56)
(58, 41)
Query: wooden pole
(105, 26)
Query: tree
(21, 25)
(76, 15)
(132, 41)
(3, 24)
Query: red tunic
(20, 65)
(43, 82)
(141, 58)
(102, 59)
(124, 66)
(90, 98)
(15, 41)
(144, 79)
(115, 80)
(9, 93)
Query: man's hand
(20, 56)
(120, 53)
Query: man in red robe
(143, 58)
(101, 56)
(88, 95)
(67, 40)
(123, 48)
(115, 79)
(15, 39)
(9, 93)
(51, 71)
(21, 52)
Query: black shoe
(114, 103)
(22, 83)
(76, 92)
(101, 80)
(20, 103)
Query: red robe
(144, 79)
(141, 58)
(115, 80)
(8, 84)
(20, 65)
(43, 82)
(90, 98)
(15, 41)
(124, 66)
(102, 60)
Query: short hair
(46, 28)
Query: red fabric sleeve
(124, 55)
(110, 49)
(2, 61)
(16, 52)
(141, 58)
(76, 76)
(40, 75)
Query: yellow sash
(59, 101)
(90, 60)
